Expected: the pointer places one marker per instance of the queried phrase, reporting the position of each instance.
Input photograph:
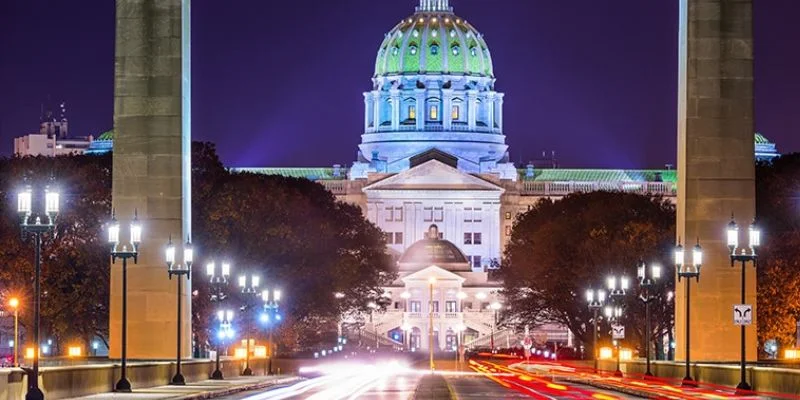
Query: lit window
(412, 50)
(412, 112)
(434, 113)
(455, 113)
(508, 214)
(476, 238)
(415, 33)
(395, 51)
(434, 33)
(450, 306)
(473, 51)
(508, 230)
(452, 33)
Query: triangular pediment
(433, 175)
(425, 274)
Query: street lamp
(617, 289)
(688, 271)
(218, 283)
(495, 307)
(180, 270)
(460, 328)
(647, 279)
(124, 385)
(250, 291)
(36, 229)
(596, 300)
(614, 315)
(271, 317)
(431, 282)
(744, 256)
(225, 332)
(14, 303)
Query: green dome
(434, 42)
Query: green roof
(761, 139)
(601, 175)
(308, 173)
(107, 135)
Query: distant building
(765, 150)
(53, 137)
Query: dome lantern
(434, 5)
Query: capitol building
(434, 173)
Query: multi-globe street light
(37, 229)
(617, 289)
(744, 256)
(614, 316)
(249, 288)
(180, 270)
(596, 300)
(647, 279)
(225, 331)
(688, 271)
(270, 317)
(218, 281)
(124, 385)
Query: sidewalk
(207, 389)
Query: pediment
(434, 271)
(433, 175)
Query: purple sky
(279, 83)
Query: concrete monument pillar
(716, 173)
(152, 157)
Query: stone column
(376, 110)
(152, 153)
(715, 168)
(472, 108)
(499, 111)
(395, 93)
(367, 110)
(447, 109)
(422, 110)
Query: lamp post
(372, 307)
(614, 315)
(14, 303)
(596, 300)
(225, 332)
(460, 328)
(124, 385)
(250, 291)
(218, 283)
(36, 229)
(744, 256)
(688, 271)
(431, 282)
(495, 307)
(647, 279)
(270, 317)
(179, 270)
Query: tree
(293, 234)
(74, 259)
(778, 211)
(559, 249)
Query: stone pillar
(422, 110)
(715, 168)
(367, 111)
(152, 154)
(376, 110)
(447, 109)
(472, 108)
(499, 112)
(395, 93)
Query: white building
(52, 139)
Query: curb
(614, 388)
(239, 389)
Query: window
(508, 214)
(427, 214)
(434, 306)
(450, 306)
(388, 237)
(476, 261)
(398, 214)
(468, 214)
(434, 48)
(389, 214)
(476, 217)
(438, 214)
(476, 238)
(467, 238)
(455, 113)
(434, 113)
(441, 235)
(466, 305)
(412, 112)
(485, 306)
(414, 306)
(398, 238)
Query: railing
(547, 188)
(335, 186)
(414, 315)
(451, 315)
(432, 127)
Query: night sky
(279, 83)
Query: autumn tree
(778, 211)
(561, 248)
